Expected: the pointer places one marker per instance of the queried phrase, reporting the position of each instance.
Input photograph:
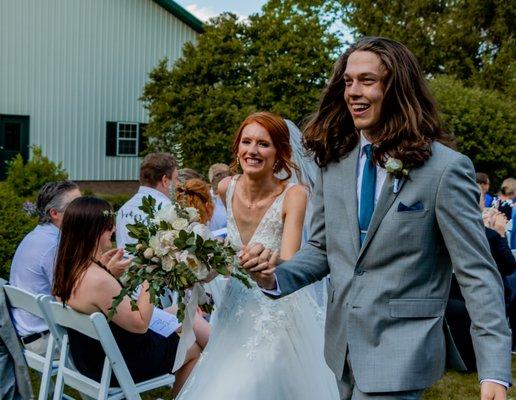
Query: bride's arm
(294, 207)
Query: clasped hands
(260, 263)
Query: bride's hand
(261, 264)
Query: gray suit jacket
(386, 299)
(15, 380)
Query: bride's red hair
(280, 136)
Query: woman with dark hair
(269, 350)
(82, 281)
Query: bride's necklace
(255, 204)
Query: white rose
(150, 268)
(193, 214)
(167, 214)
(157, 246)
(180, 223)
(199, 269)
(148, 253)
(139, 247)
(181, 256)
(168, 262)
(200, 230)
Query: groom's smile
(364, 91)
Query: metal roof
(182, 14)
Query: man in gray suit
(395, 209)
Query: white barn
(71, 73)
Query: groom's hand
(261, 263)
(492, 391)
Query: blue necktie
(367, 193)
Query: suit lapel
(348, 183)
(387, 197)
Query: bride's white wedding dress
(262, 348)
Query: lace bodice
(270, 228)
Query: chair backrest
(19, 298)
(61, 317)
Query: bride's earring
(275, 166)
(238, 161)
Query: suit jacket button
(359, 272)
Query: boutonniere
(395, 168)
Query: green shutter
(110, 138)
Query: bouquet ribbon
(187, 337)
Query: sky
(204, 9)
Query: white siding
(72, 65)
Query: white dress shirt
(130, 209)
(32, 269)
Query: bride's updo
(280, 136)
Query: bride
(260, 348)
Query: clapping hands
(115, 262)
(261, 264)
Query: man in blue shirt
(32, 268)
(158, 177)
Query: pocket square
(417, 206)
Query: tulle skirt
(263, 349)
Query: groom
(395, 210)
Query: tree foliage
(27, 178)
(483, 122)
(276, 61)
(470, 39)
(14, 225)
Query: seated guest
(219, 220)
(484, 183)
(196, 193)
(505, 201)
(189, 173)
(83, 282)
(32, 267)
(158, 177)
(456, 312)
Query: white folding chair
(95, 326)
(46, 366)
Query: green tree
(276, 61)
(27, 178)
(483, 122)
(470, 39)
(14, 225)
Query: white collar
(363, 142)
(146, 190)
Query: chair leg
(59, 386)
(45, 388)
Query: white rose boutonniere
(395, 167)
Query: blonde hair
(196, 193)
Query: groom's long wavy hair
(409, 119)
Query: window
(125, 139)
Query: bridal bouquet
(173, 251)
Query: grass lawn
(453, 386)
